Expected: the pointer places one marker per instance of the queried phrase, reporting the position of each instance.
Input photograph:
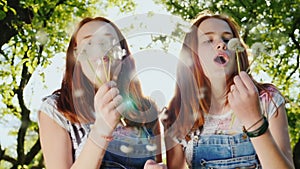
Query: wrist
(101, 129)
(254, 124)
(263, 127)
(99, 139)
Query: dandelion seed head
(234, 44)
(257, 48)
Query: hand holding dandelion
(235, 45)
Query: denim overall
(114, 158)
(224, 151)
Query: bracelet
(106, 138)
(255, 123)
(258, 132)
(98, 139)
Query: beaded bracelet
(258, 132)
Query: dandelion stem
(90, 64)
(109, 66)
(106, 76)
(238, 62)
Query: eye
(208, 41)
(226, 40)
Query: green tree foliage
(32, 32)
(274, 23)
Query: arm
(175, 155)
(272, 147)
(57, 146)
(54, 149)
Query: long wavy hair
(192, 96)
(80, 107)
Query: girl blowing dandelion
(80, 122)
(237, 122)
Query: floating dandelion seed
(201, 93)
(126, 149)
(42, 37)
(78, 93)
(163, 115)
(185, 27)
(235, 45)
(186, 58)
(151, 147)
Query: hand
(150, 164)
(108, 107)
(244, 99)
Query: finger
(117, 100)
(110, 95)
(121, 108)
(230, 97)
(150, 162)
(239, 85)
(232, 88)
(247, 81)
(105, 87)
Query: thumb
(151, 164)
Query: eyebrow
(210, 33)
(88, 36)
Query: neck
(218, 98)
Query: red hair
(81, 108)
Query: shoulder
(49, 108)
(271, 99)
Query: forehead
(100, 28)
(214, 25)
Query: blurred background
(34, 35)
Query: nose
(221, 45)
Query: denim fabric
(114, 158)
(224, 151)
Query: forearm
(93, 152)
(175, 154)
(91, 155)
(268, 152)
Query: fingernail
(112, 84)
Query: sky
(157, 78)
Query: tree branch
(35, 149)
(292, 36)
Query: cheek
(117, 67)
(87, 70)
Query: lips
(105, 58)
(221, 59)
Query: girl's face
(95, 41)
(215, 58)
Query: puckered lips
(221, 59)
(105, 58)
